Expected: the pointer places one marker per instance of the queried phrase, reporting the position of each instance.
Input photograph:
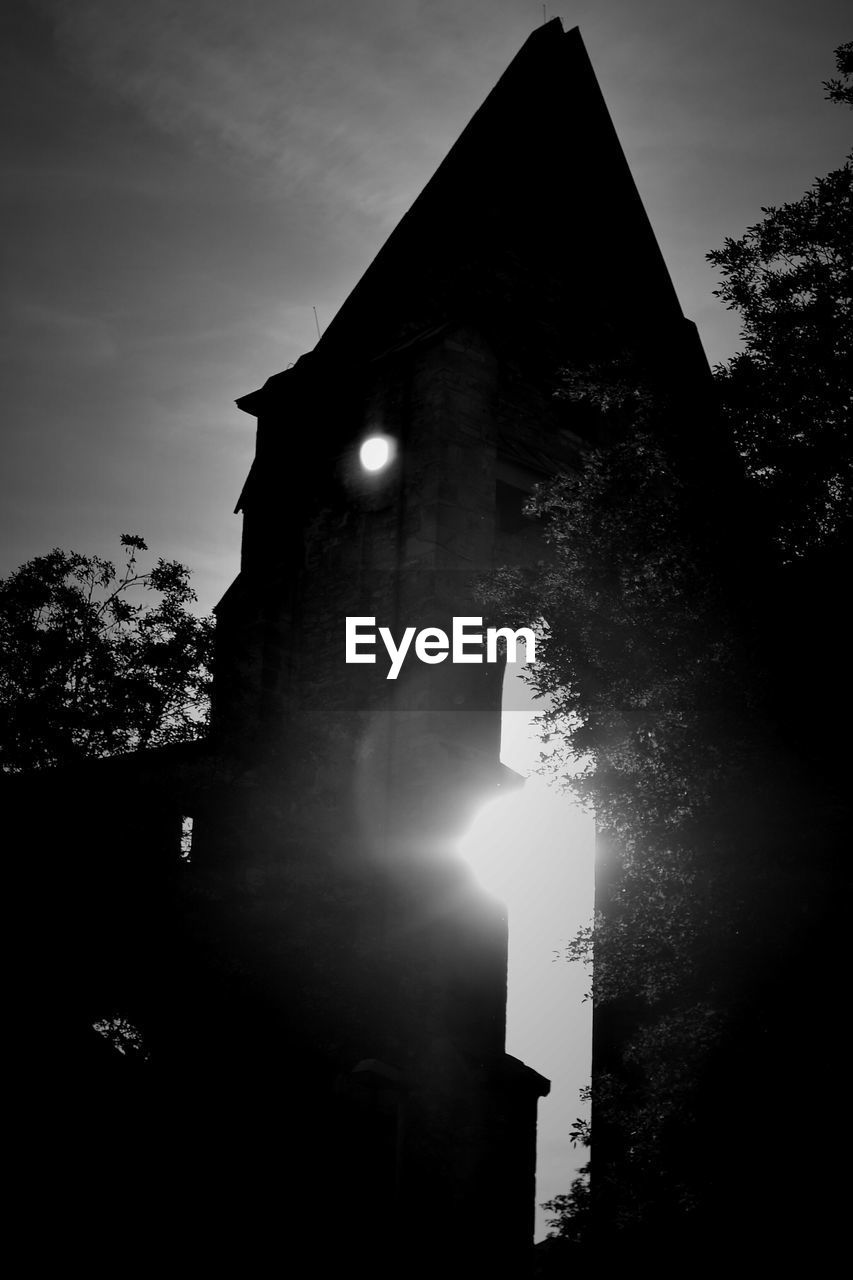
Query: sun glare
(493, 846)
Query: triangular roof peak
(532, 224)
(533, 209)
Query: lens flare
(490, 847)
(375, 453)
(529, 845)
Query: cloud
(299, 94)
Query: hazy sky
(185, 179)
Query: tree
(643, 662)
(788, 395)
(570, 1213)
(840, 89)
(96, 660)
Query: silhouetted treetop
(96, 660)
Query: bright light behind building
(533, 849)
(493, 846)
(524, 844)
(375, 453)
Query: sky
(534, 849)
(184, 181)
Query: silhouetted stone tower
(528, 249)
(325, 998)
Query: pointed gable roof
(532, 226)
(533, 206)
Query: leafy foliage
(571, 1213)
(96, 660)
(788, 395)
(641, 663)
(840, 89)
(664, 670)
